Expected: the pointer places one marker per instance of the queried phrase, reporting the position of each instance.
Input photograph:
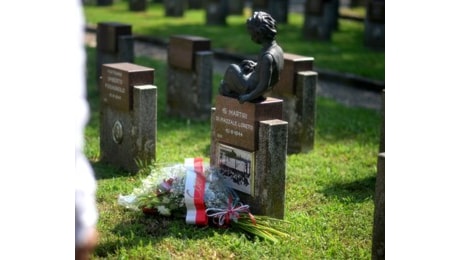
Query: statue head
(261, 26)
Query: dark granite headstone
(108, 33)
(118, 80)
(216, 12)
(190, 66)
(238, 124)
(182, 49)
(262, 166)
(115, 44)
(320, 19)
(293, 63)
(128, 115)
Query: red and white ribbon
(232, 213)
(195, 181)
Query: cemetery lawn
(329, 191)
(345, 53)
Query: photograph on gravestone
(237, 168)
(250, 80)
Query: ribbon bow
(224, 216)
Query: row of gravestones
(250, 134)
(249, 141)
(321, 16)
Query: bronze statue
(250, 80)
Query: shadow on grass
(142, 230)
(355, 192)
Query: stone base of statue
(249, 145)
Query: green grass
(329, 191)
(345, 52)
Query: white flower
(164, 211)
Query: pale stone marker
(128, 115)
(249, 142)
(297, 88)
(190, 63)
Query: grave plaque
(182, 48)
(292, 64)
(108, 33)
(118, 80)
(238, 124)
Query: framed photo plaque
(237, 167)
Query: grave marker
(249, 143)
(320, 19)
(190, 64)
(128, 115)
(115, 43)
(297, 88)
(216, 12)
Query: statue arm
(264, 78)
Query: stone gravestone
(174, 8)
(249, 142)
(128, 115)
(138, 5)
(320, 19)
(297, 88)
(374, 25)
(216, 12)
(276, 8)
(190, 62)
(115, 43)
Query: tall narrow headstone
(115, 44)
(190, 63)
(248, 144)
(374, 25)
(297, 88)
(128, 115)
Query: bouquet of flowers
(197, 192)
